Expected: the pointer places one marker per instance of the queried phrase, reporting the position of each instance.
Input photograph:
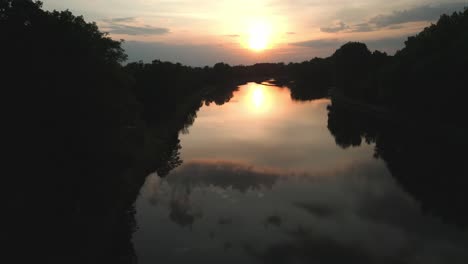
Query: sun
(259, 36)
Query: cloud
(122, 26)
(389, 45)
(363, 27)
(425, 13)
(395, 27)
(421, 13)
(319, 43)
(340, 26)
(232, 35)
(120, 19)
(290, 33)
(335, 218)
(350, 214)
(133, 30)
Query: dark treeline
(425, 79)
(77, 142)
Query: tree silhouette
(430, 68)
(75, 139)
(352, 68)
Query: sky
(205, 32)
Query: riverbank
(338, 99)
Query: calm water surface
(263, 181)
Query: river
(264, 181)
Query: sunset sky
(204, 32)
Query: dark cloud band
(120, 26)
(394, 20)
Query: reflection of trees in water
(349, 132)
(189, 120)
(220, 94)
(168, 156)
(424, 158)
(304, 90)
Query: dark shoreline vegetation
(84, 130)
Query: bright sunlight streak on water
(260, 99)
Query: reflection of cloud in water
(362, 216)
(224, 174)
(273, 220)
(234, 175)
(356, 214)
(307, 246)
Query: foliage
(67, 104)
(424, 79)
(429, 73)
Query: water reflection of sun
(260, 99)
